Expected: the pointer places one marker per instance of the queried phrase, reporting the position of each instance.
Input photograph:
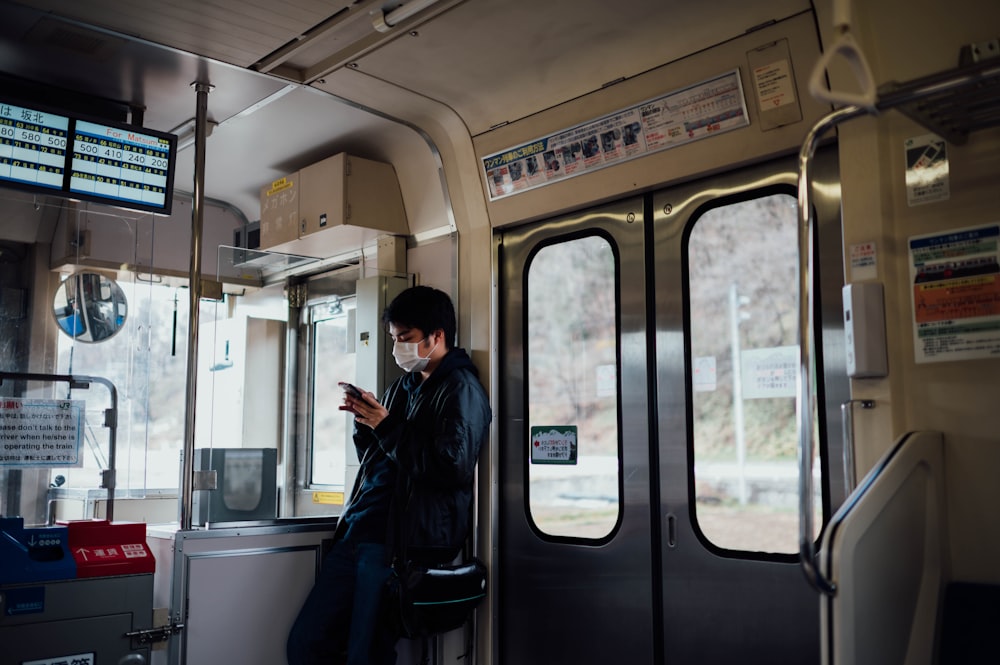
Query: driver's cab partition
(48, 448)
(886, 553)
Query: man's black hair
(424, 308)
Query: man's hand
(366, 409)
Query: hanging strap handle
(845, 46)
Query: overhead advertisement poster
(956, 294)
(692, 113)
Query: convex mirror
(90, 307)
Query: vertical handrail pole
(194, 284)
(111, 422)
(847, 426)
(804, 398)
(296, 302)
(847, 422)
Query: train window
(332, 360)
(743, 297)
(572, 369)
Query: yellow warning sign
(329, 498)
(279, 185)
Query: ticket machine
(79, 593)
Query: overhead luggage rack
(953, 104)
(257, 266)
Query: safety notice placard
(956, 294)
(553, 444)
(40, 432)
(770, 372)
(926, 170)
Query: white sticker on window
(704, 374)
(770, 372)
(553, 444)
(76, 659)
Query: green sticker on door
(553, 444)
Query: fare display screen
(120, 164)
(32, 146)
(78, 158)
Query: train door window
(333, 359)
(743, 300)
(572, 388)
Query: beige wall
(903, 40)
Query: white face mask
(408, 358)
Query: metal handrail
(804, 399)
(186, 503)
(110, 419)
(847, 423)
(948, 88)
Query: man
(418, 451)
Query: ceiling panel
(157, 79)
(507, 60)
(489, 61)
(239, 32)
(302, 127)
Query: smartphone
(351, 390)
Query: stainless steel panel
(655, 591)
(77, 618)
(249, 622)
(238, 588)
(569, 601)
(720, 605)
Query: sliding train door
(574, 570)
(647, 461)
(726, 302)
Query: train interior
(729, 274)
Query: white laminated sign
(40, 432)
(553, 444)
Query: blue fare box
(35, 554)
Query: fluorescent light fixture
(385, 22)
(186, 132)
(253, 108)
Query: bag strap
(366, 459)
(425, 651)
(396, 535)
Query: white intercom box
(864, 330)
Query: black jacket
(432, 436)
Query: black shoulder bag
(426, 600)
(437, 599)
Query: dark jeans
(341, 618)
